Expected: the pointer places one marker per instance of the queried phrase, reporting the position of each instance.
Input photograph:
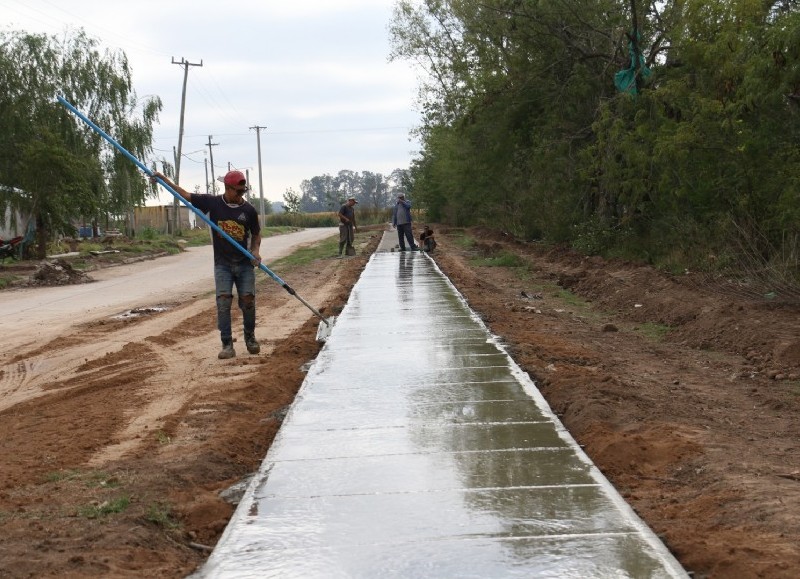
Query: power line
(315, 131)
(101, 31)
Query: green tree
(710, 152)
(318, 194)
(523, 128)
(514, 86)
(373, 190)
(399, 181)
(347, 183)
(52, 166)
(291, 201)
(326, 193)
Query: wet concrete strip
(417, 448)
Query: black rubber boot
(227, 351)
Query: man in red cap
(236, 217)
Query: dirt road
(31, 315)
(116, 435)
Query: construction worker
(239, 219)
(347, 226)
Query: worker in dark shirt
(239, 219)
(427, 240)
(347, 226)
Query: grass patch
(84, 247)
(62, 475)
(570, 298)
(324, 249)
(196, 237)
(160, 514)
(462, 240)
(99, 479)
(105, 508)
(581, 307)
(522, 273)
(502, 259)
(159, 246)
(652, 331)
(7, 280)
(92, 479)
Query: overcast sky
(315, 73)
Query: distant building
(13, 224)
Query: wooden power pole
(260, 172)
(185, 64)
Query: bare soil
(685, 396)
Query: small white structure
(13, 223)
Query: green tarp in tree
(625, 80)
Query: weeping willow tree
(53, 168)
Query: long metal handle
(197, 212)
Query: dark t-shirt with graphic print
(238, 221)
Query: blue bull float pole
(328, 322)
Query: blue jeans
(404, 231)
(242, 275)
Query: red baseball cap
(234, 178)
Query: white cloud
(314, 72)
(348, 107)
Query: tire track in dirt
(169, 356)
(34, 372)
(189, 370)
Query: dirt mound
(57, 272)
(685, 396)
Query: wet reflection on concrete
(417, 448)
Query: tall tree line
(52, 166)
(524, 129)
(327, 192)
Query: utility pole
(185, 64)
(206, 163)
(260, 172)
(211, 154)
(169, 224)
(247, 178)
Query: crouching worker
(427, 240)
(236, 217)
